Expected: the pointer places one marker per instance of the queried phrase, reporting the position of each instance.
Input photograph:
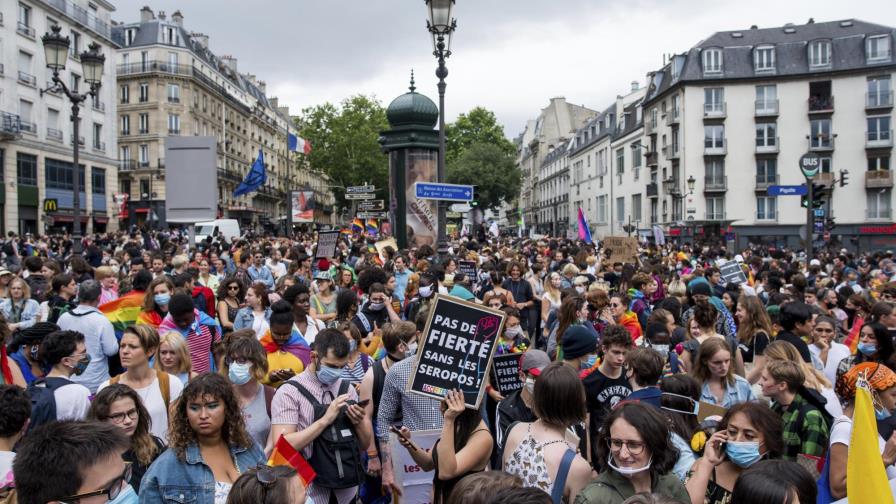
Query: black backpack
(336, 455)
(43, 400)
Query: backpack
(164, 385)
(43, 400)
(336, 456)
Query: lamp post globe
(92, 62)
(55, 48)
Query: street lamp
(56, 49)
(441, 26)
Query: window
(766, 171)
(129, 35)
(144, 189)
(172, 60)
(714, 136)
(820, 53)
(764, 59)
(173, 124)
(602, 209)
(715, 174)
(144, 92)
(126, 186)
(675, 143)
(715, 208)
(676, 105)
(125, 125)
(653, 117)
(820, 133)
(879, 162)
(714, 101)
(59, 175)
(636, 208)
(712, 61)
(766, 135)
(124, 93)
(620, 161)
(878, 202)
(125, 153)
(26, 169)
(173, 93)
(620, 209)
(879, 129)
(826, 165)
(144, 123)
(169, 35)
(74, 48)
(53, 119)
(25, 66)
(24, 16)
(879, 91)
(877, 48)
(98, 136)
(143, 153)
(98, 177)
(766, 208)
(74, 82)
(636, 158)
(767, 98)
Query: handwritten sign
(458, 343)
(416, 482)
(506, 373)
(622, 249)
(732, 273)
(326, 244)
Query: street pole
(76, 177)
(810, 219)
(441, 73)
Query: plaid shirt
(810, 437)
(420, 413)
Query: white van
(229, 227)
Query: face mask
(162, 299)
(426, 291)
(628, 472)
(580, 289)
(513, 332)
(852, 283)
(882, 414)
(328, 375)
(239, 373)
(411, 351)
(530, 385)
(81, 366)
(33, 351)
(694, 411)
(589, 362)
(376, 306)
(867, 348)
(744, 454)
(662, 348)
(127, 495)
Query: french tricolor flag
(296, 143)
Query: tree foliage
(479, 125)
(344, 142)
(491, 169)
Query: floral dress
(527, 462)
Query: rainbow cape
(295, 345)
(852, 339)
(124, 311)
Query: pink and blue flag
(584, 232)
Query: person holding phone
(464, 448)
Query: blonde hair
(26, 289)
(102, 273)
(785, 351)
(179, 260)
(179, 345)
(549, 287)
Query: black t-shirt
(602, 393)
(796, 341)
(755, 348)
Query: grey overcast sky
(510, 56)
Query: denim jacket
(170, 480)
(734, 394)
(244, 318)
(29, 312)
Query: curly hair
(651, 427)
(181, 434)
(227, 282)
(145, 449)
(370, 276)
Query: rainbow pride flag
(372, 227)
(285, 454)
(852, 339)
(123, 312)
(357, 225)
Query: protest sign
(326, 244)
(383, 244)
(506, 373)
(458, 343)
(468, 268)
(416, 482)
(622, 249)
(732, 273)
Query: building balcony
(714, 110)
(174, 131)
(54, 134)
(879, 214)
(23, 29)
(124, 132)
(767, 145)
(80, 141)
(127, 165)
(173, 99)
(821, 104)
(98, 105)
(715, 184)
(153, 66)
(673, 116)
(143, 131)
(652, 190)
(27, 78)
(28, 127)
(821, 143)
(715, 148)
(767, 216)
(652, 158)
(720, 215)
(10, 125)
(764, 181)
(766, 108)
(878, 139)
(882, 99)
(649, 127)
(99, 146)
(878, 179)
(671, 153)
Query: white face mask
(628, 472)
(426, 291)
(530, 385)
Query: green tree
(476, 126)
(492, 170)
(344, 142)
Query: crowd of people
(145, 369)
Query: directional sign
(460, 208)
(360, 189)
(371, 205)
(359, 196)
(810, 163)
(444, 192)
(373, 215)
(787, 190)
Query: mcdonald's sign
(51, 205)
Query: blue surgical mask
(882, 414)
(867, 348)
(162, 299)
(127, 495)
(589, 362)
(744, 454)
(239, 373)
(328, 375)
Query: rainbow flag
(345, 231)
(285, 454)
(865, 481)
(357, 225)
(372, 227)
(124, 311)
(584, 232)
(852, 339)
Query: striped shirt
(420, 413)
(355, 374)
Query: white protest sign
(415, 482)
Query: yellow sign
(51, 205)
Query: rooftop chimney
(178, 18)
(634, 86)
(263, 87)
(146, 14)
(274, 102)
(229, 62)
(201, 38)
(162, 16)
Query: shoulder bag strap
(562, 473)
(305, 392)
(164, 386)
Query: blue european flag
(255, 179)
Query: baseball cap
(533, 361)
(4, 271)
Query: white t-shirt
(72, 402)
(278, 270)
(313, 326)
(837, 353)
(155, 403)
(259, 325)
(6, 460)
(841, 433)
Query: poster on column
(458, 343)
(302, 206)
(422, 215)
(415, 482)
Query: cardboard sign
(622, 249)
(506, 373)
(458, 343)
(468, 268)
(732, 273)
(706, 409)
(326, 244)
(382, 244)
(416, 482)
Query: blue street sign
(819, 212)
(443, 192)
(787, 190)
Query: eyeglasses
(111, 492)
(615, 305)
(634, 447)
(118, 418)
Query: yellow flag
(866, 477)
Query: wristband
(373, 454)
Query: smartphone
(364, 403)
(398, 433)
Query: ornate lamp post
(441, 25)
(56, 49)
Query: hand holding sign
(454, 401)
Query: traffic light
(829, 224)
(819, 192)
(844, 177)
(475, 201)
